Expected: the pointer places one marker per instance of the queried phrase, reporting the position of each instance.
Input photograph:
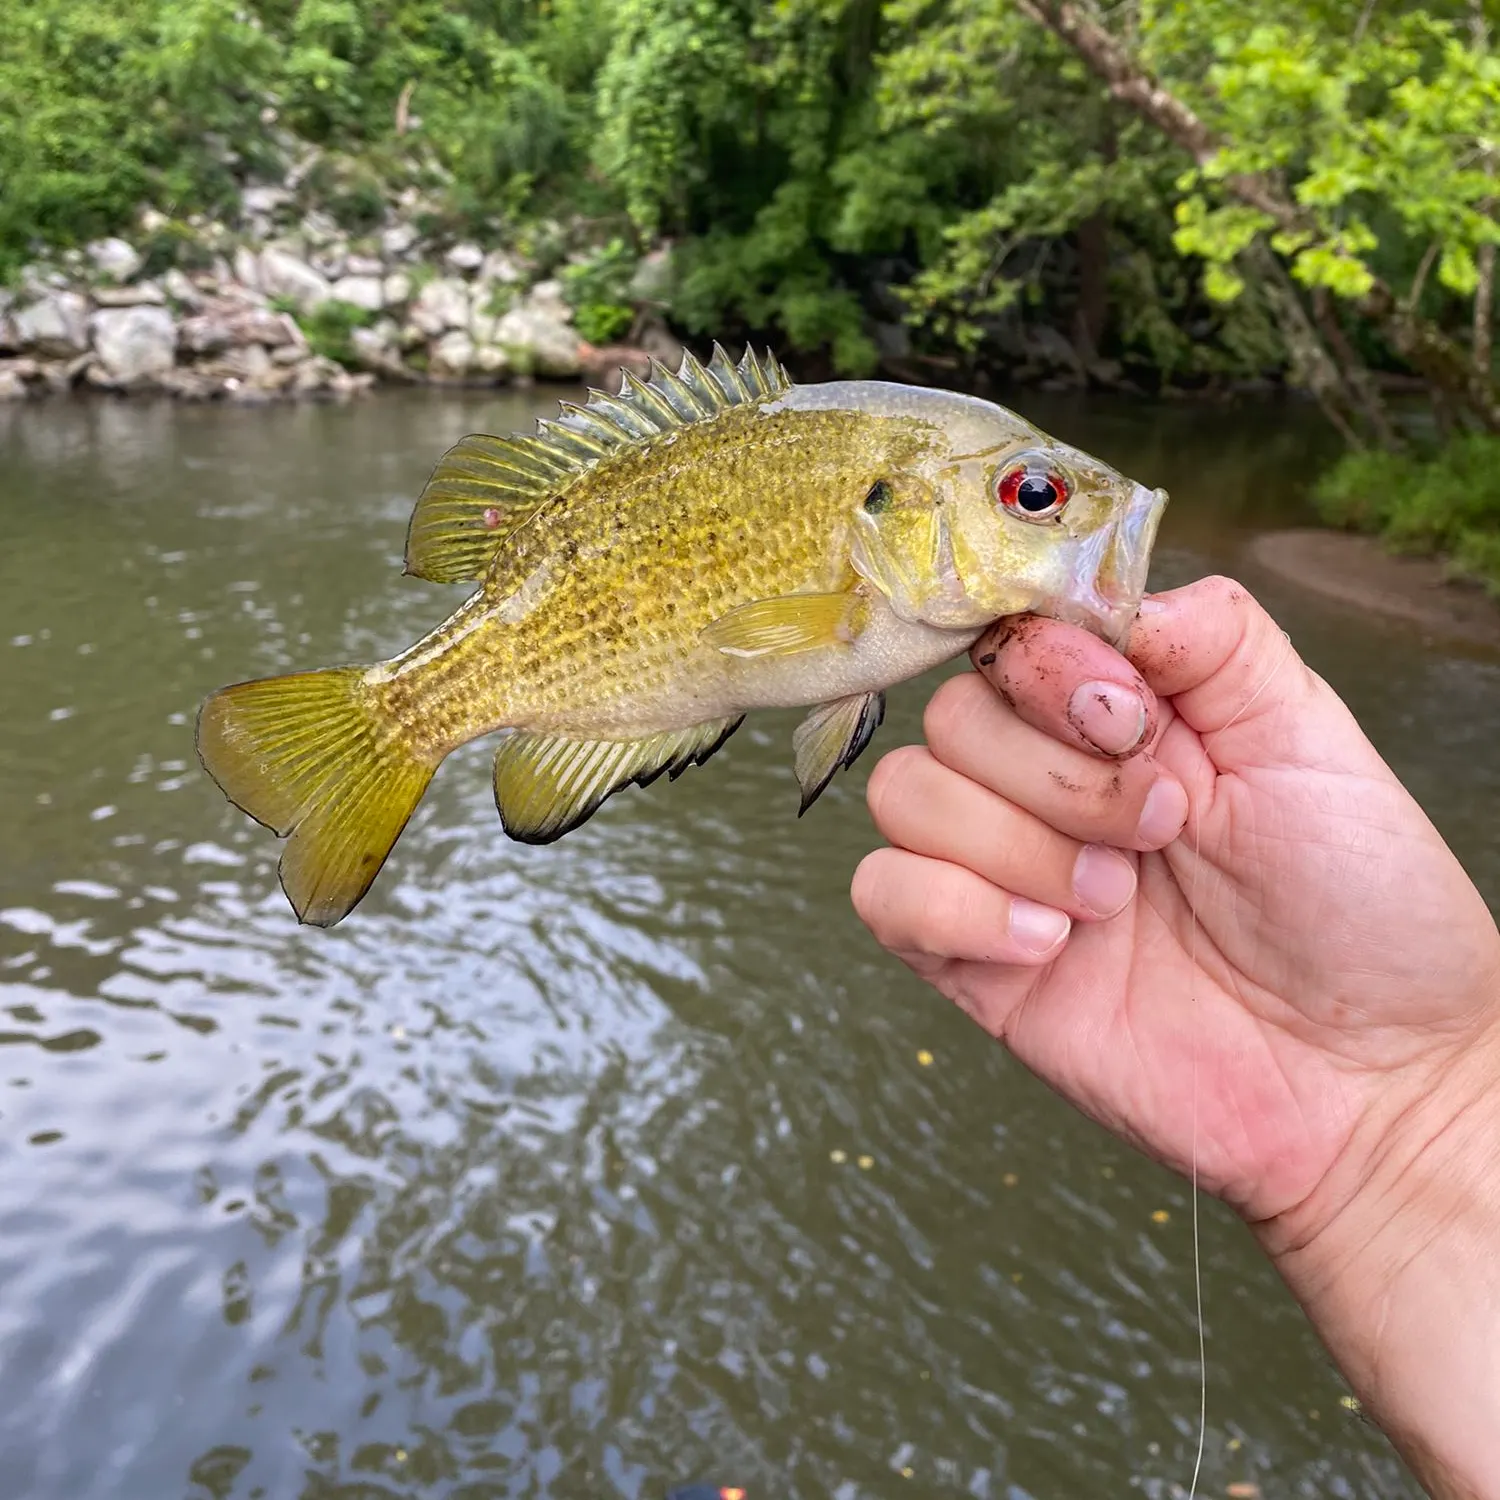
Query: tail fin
(312, 758)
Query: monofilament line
(1196, 1036)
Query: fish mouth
(1111, 576)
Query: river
(575, 1171)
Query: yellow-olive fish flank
(653, 564)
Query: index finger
(1068, 683)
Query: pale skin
(1335, 1010)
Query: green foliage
(597, 287)
(328, 326)
(1447, 502)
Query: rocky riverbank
(284, 302)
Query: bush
(328, 326)
(1446, 502)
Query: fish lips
(1110, 576)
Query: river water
(577, 1171)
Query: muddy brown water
(526, 1181)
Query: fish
(654, 564)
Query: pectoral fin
(792, 623)
(833, 735)
(546, 785)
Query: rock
(652, 278)
(284, 275)
(363, 291)
(398, 241)
(10, 337)
(396, 288)
(498, 266)
(375, 349)
(547, 297)
(152, 221)
(37, 281)
(657, 340)
(265, 201)
(115, 259)
(452, 356)
(135, 343)
(1051, 349)
(228, 324)
(319, 228)
(314, 375)
(491, 359)
(363, 265)
(540, 343)
(57, 325)
(441, 305)
(246, 267)
(181, 288)
(12, 384)
(465, 257)
(190, 385)
(329, 264)
(142, 294)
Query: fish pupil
(1036, 493)
(879, 498)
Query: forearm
(1399, 1269)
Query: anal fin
(792, 623)
(547, 785)
(833, 735)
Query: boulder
(362, 291)
(491, 359)
(452, 356)
(441, 305)
(498, 266)
(57, 325)
(142, 294)
(540, 343)
(181, 288)
(363, 265)
(282, 274)
(114, 259)
(466, 257)
(228, 324)
(376, 349)
(547, 297)
(10, 338)
(652, 278)
(264, 201)
(134, 343)
(246, 268)
(398, 241)
(12, 383)
(396, 289)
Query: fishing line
(1197, 927)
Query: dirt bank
(1356, 570)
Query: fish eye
(1033, 490)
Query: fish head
(997, 518)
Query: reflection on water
(576, 1171)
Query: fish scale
(652, 565)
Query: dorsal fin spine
(485, 487)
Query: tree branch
(1442, 362)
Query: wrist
(1396, 1258)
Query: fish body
(653, 565)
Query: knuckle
(952, 708)
(892, 779)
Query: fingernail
(1164, 814)
(1103, 880)
(1037, 928)
(1110, 717)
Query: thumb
(1223, 661)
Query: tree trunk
(1093, 287)
(1423, 345)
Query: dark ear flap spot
(880, 497)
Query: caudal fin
(312, 758)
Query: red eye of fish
(1032, 491)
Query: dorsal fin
(485, 487)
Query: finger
(1132, 804)
(924, 806)
(1069, 683)
(934, 910)
(1219, 656)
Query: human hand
(1288, 978)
